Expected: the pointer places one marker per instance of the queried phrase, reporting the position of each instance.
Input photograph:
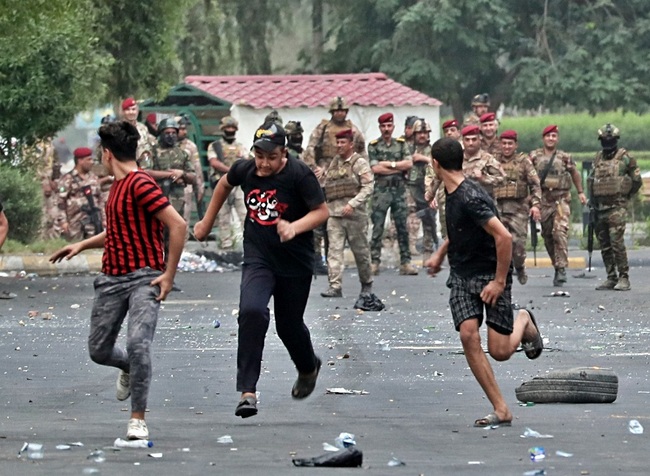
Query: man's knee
(469, 334)
(99, 355)
(500, 354)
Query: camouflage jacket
(231, 153)
(417, 173)
(494, 148)
(485, 169)
(559, 179)
(396, 151)
(521, 183)
(613, 179)
(321, 147)
(352, 177)
(72, 201)
(192, 152)
(146, 142)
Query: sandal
(305, 383)
(247, 407)
(491, 420)
(533, 349)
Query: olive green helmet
(338, 103)
(481, 100)
(293, 127)
(229, 121)
(168, 123)
(421, 126)
(274, 117)
(609, 131)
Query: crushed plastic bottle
(537, 453)
(98, 456)
(120, 443)
(396, 462)
(345, 440)
(530, 433)
(34, 450)
(225, 440)
(635, 427)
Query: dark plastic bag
(345, 458)
(369, 302)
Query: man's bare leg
(481, 368)
(501, 347)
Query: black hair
(448, 152)
(121, 138)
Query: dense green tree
(50, 66)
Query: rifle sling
(547, 169)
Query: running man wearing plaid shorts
(479, 248)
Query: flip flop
(6, 295)
(305, 384)
(533, 349)
(247, 407)
(490, 420)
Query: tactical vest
(325, 148)
(558, 177)
(169, 158)
(609, 178)
(513, 186)
(415, 175)
(340, 180)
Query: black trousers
(258, 284)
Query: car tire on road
(577, 385)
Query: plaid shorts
(465, 302)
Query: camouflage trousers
(555, 231)
(234, 205)
(441, 198)
(51, 221)
(177, 200)
(354, 229)
(114, 297)
(426, 216)
(515, 219)
(80, 229)
(610, 230)
(393, 198)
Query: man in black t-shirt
(479, 248)
(284, 203)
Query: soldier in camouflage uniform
(450, 129)
(294, 132)
(320, 151)
(222, 153)
(146, 143)
(348, 185)
(557, 172)
(421, 154)
(80, 199)
(170, 166)
(489, 131)
(413, 223)
(478, 164)
(518, 197)
(48, 168)
(390, 160)
(480, 105)
(104, 178)
(614, 179)
(197, 189)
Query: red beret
(127, 103)
(151, 118)
(82, 152)
(472, 130)
(449, 123)
(345, 134)
(549, 129)
(386, 117)
(509, 134)
(487, 117)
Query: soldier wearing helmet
(170, 166)
(294, 132)
(319, 153)
(415, 180)
(557, 172)
(614, 179)
(480, 106)
(222, 154)
(196, 189)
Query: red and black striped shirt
(133, 235)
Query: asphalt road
(421, 398)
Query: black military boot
(560, 277)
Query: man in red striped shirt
(135, 277)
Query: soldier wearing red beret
(489, 129)
(81, 205)
(557, 172)
(451, 129)
(130, 111)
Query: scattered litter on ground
(559, 294)
(225, 440)
(98, 456)
(344, 391)
(346, 458)
(156, 455)
(33, 450)
(535, 472)
(530, 433)
(537, 453)
(563, 454)
(345, 440)
(396, 462)
(120, 443)
(635, 427)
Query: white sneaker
(123, 386)
(137, 430)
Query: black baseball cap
(269, 136)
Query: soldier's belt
(390, 181)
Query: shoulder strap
(547, 169)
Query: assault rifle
(94, 213)
(590, 231)
(533, 238)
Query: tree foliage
(50, 67)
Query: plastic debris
(329, 447)
(63, 447)
(530, 433)
(535, 472)
(635, 427)
(396, 462)
(75, 306)
(344, 391)
(191, 262)
(216, 324)
(347, 458)
(560, 294)
(120, 443)
(156, 455)
(527, 404)
(90, 471)
(537, 453)
(563, 454)
(345, 440)
(33, 450)
(225, 440)
(98, 456)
